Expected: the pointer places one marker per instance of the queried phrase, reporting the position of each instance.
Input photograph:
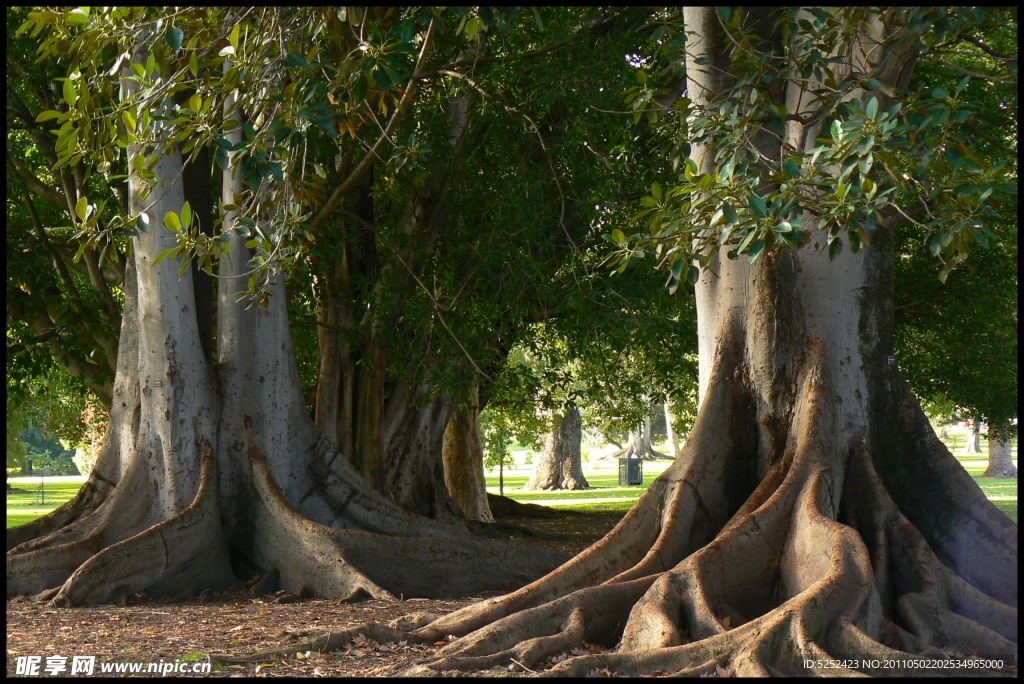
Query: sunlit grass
(606, 494)
(603, 477)
(26, 504)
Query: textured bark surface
(974, 437)
(463, 456)
(1000, 457)
(559, 465)
(639, 444)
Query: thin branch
(368, 159)
(34, 184)
(58, 262)
(437, 309)
(991, 52)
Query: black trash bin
(631, 471)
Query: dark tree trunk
(464, 463)
(560, 465)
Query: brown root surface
(129, 544)
(815, 569)
(237, 624)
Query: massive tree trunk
(812, 515)
(1000, 455)
(216, 474)
(463, 457)
(560, 464)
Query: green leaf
(618, 236)
(834, 248)
(70, 94)
(944, 273)
(866, 144)
(716, 217)
(128, 120)
(82, 207)
(693, 275)
(730, 213)
(382, 79)
(47, 115)
(175, 36)
(164, 254)
(872, 108)
(756, 247)
(746, 241)
(142, 222)
(223, 238)
(234, 35)
(186, 215)
(791, 168)
(472, 27)
(139, 70)
(172, 222)
(724, 13)
(226, 50)
(758, 206)
(656, 190)
(784, 227)
(537, 20)
(78, 16)
(221, 155)
(195, 103)
(837, 130)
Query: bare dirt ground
(234, 623)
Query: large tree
(813, 513)
(212, 449)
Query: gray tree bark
(974, 437)
(560, 465)
(463, 456)
(1000, 455)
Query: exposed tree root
(502, 506)
(816, 570)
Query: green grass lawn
(606, 493)
(26, 505)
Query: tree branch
(58, 262)
(364, 165)
(33, 183)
